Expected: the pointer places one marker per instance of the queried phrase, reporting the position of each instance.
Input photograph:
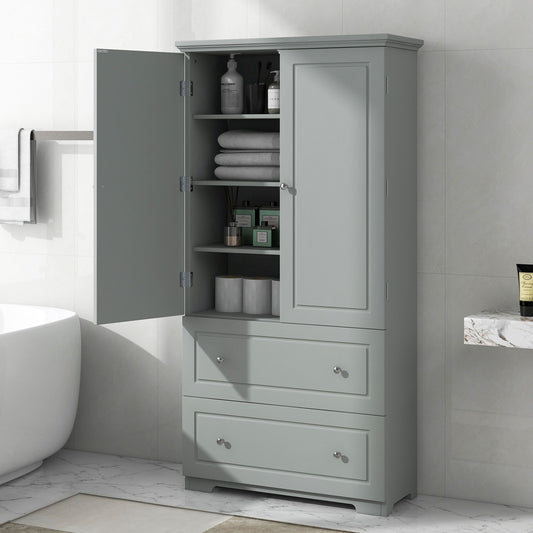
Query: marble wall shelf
(499, 328)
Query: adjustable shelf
(235, 183)
(237, 116)
(249, 250)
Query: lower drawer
(319, 452)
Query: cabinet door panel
(139, 208)
(332, 246)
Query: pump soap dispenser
(273, 94)
(231, 89)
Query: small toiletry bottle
(273, 94)
(232, 235)
(270, 215)
(263, 235)
(246, 218)
(231, 89)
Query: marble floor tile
(71, 472)
(93, 514)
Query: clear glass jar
(232, 235)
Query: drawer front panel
(295, 449)
(321, 374)
(287, 446)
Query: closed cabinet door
(332, 135)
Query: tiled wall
(475, 137)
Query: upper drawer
(322, 374)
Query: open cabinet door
(139, 151)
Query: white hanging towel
(9, 160)
(17, 205)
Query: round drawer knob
(283, 186)
(220, 441)
(337, 369)
(337, 455)
(220, 359)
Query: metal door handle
(220, 359)
(337, 369)
(283, 186)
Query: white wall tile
(431, 384)
(118, 396)
(491, 438)
(125, 24)
(169, 357)
(279, 18)
(37, 279)
(431, 162)
(487, 482)
(421, 19)
(488, 24)
(489, 133)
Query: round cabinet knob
(220, 441)
(337, 455)
(220, 359)
(283, 186)
(337, 369)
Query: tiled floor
(69, 473)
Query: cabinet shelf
(237, 116)
(235, 183)
(251, 250)
(212, 313)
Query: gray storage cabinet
(319, 402)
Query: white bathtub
(40, 358)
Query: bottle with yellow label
(525, 287)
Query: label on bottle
(273, 99)
(526, 286)
(262, 236)
(243, 221)
(272, 220)
(229, 95)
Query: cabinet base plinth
(200, 485)
(361, 506)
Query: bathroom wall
(475, 136)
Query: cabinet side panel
(400, 250)
(139, 208)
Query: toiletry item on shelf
(228, 294)
(270, 215)
(525, 286)
(231, 89)
(275, 297)
(255, 94)
(273, 105)
(245, 217)
(263, 235)
(257, 296)
(232, 234)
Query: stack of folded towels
(248, 155)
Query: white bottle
(273, 94)
(231, 89)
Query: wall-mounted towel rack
(62, 135)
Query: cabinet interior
(207, 209)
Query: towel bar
(61, 135)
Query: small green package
(270, 215)
(263, 235)
(246, 218)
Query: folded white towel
(18, 207)
(240, 159)
(9, 160)
(248, 173)
(249, 139)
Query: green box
(262, 236)
(270, 214)
(246, 218)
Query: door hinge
(387, 291)
(186, 279)
(386, 187)
(185, 88)
(185, 183)
(386, 85)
